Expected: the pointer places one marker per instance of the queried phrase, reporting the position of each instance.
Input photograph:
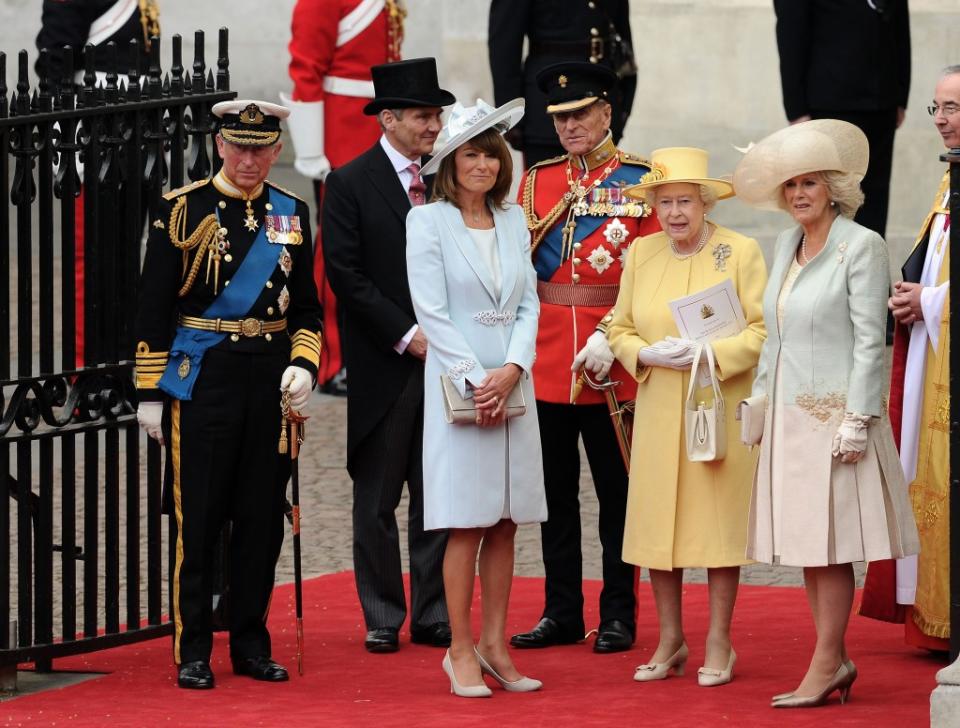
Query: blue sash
(234, 302)
(547, 257)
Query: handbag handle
(691, 389)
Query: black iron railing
(82, 169)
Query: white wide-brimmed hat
(680, 165)
(464, 123)
(819, 145)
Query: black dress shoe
(195, 675)
(382, 639)
(436, 635)
(613, 636)
(260, 668)
(546, 634)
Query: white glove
(149, 415)
(595, 355)
(305, 124)
(299, 382)
(670, 353)
(850, 442)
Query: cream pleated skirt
(809, 509)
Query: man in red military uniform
(581, 226)
(334, 45)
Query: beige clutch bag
(751, 412)
(460, 411)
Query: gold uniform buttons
(269, 284)
(234, 337)
(228, 257)
(226, 283)
(222, 205)
(269, 206)
(269, 310)
(576, 261)
(577, 246)
(268, 337)
(576, 277)
(594, 32)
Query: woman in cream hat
(829, 489)
(474, 292)
(679, 513)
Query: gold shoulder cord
(200, 238)
(539, 227)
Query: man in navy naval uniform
(228, 317)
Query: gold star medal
(250, 222)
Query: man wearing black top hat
(364, 244)
(228, 316)
(581, 226)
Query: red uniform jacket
(596, 260)
(334, 44)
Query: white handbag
(705, 427)
(751, 413)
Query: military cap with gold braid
(574, 85)
(250, 123)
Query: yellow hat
(680, 164)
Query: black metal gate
(82, 167)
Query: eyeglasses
(947, 109)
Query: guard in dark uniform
(581, 226)
(78, 22)
(594, 31)
(228, 317)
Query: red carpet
(345, 686)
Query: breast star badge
(600, 259)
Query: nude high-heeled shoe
(842, 680)
(707, 677)
(850, 666)
(661, 670)
(464, 691)
(522, 685)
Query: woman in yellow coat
(679, 513)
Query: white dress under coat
(472, 476)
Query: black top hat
(574, 85)
(406, 84)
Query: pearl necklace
(700, 243)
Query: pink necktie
(417, 192)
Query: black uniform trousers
(879, 128)
(561, 426)
(222, 455)
(389, 455)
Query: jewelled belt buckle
(251, 327)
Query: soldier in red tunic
(581, 226)
(334, 45)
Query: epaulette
(173, 194)
(285, 191)
(547, 162)
(628, 158)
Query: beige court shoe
(661, 670)
(522, 685)
(464, 691)
(850, 667)
(707, 677)
(842, 680)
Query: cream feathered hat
(819, 145)
(465, 122)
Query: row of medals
(607, 202)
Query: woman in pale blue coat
(829, 489)
(474, 292)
